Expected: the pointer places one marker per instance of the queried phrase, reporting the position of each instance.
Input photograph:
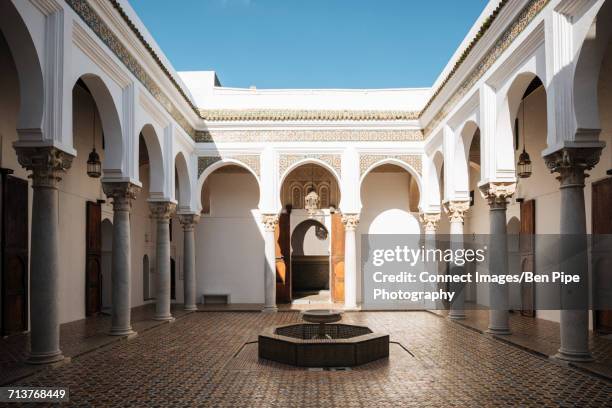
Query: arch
(222, 163)
(309, 161)
(400, 163)
(514, 226)
(299, 234)
(461, 168)
(109, 119)
(306, 186)
(29, 70)
(156, 159)
(184, 181)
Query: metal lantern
(311, 203)
(523, 167)
(94, 166)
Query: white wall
(229, 241)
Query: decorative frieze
(297, 135)
(497, 193)
(350, 221)
(285, 161)
(251, 161)
(368, 160)
(188, 221)
(47, 164)
(162, 210)
(572, 163)
(430, 221)
(456, 210)
(303, 114)
(270, 221)
(122, 194)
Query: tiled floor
(205, 359)
(76, 338)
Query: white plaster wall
(229, 241)
(386, 210)
(312, 245)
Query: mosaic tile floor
(204, 359)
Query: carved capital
(456, 210)
(269, 221)
(350, 221)
(162, 210)
(571, 164)
(46, 164)
(430, 221)
(188, 221)
(497, 193)
(122, 194)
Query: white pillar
(497, 195)
(270, 221)
(430, 223)
(456, 213)
(46, 164)
(189, 273)
(350, 222)
(162, 211)
(122, 194)
(571, 164)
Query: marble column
(122, 194)
(350, 221)
(430, 224)
(497, 195)
(270, 221)
(571, 164)
(189, 273)
(456, 213)
(47, 165)
(161, 212)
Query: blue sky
(311, 43)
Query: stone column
(162, 211)
(350, 222)
(189, 273)
(122, 194)
(497, 195)
(456, 213)
(47, 165)
(571, 164)
(430, 223)
(270, 221)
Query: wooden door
(283, 258)
(527, 246)
(602, 265)
(172, 279)
(337, 259)
(93, 260)
(14, 254)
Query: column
(122, 194)
(497, 195)
(46, 164)
(430, 223)
(571, 164)
(162, 211)
(350, 221)
(456, 213)
(189, 274)
(270, 221)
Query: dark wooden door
(172, 279)
(14, 254)
(527, 247)
(282, 234)
(93, 260)
(337, 259)
(602, 265)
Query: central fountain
(322, 342)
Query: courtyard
(210, 359)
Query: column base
(501, 331)
(190, 308)
(164, 318)
(269, 309)
(122, 332)
(578, 357)
(45, 358)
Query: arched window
(324, 195)
(296, 197)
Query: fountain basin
(344, 345)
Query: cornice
(304, 115)
(300, 135)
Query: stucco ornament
(350, 221)
(47, 164)
(311, 203)
(122, 194)
(456, 210)
(270, 221)
(497, 193)
(571, 163)
(430, 221)
(162, 210)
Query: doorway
(602, 224)
(310, 262)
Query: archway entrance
(309, 262)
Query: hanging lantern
(523, 167)
(312, 203)
(94, 166)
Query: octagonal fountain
(322, 342)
